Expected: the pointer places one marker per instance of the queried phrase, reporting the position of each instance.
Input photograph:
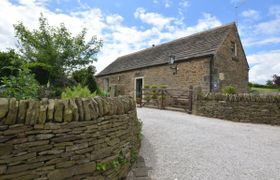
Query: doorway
(138, 87)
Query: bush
(86, 77)
(146, 86)
(77, 91)
(10, 63)
(163, 86)
(229, 90)
(41, 71)
(23, 86)
(102, 93)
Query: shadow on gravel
(148, 153)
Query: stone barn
(210, 60)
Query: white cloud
(155, 1)
(264, 65)
(114, 19)
(261, 42)
(152, 18)
(274, 11)
(167, 3)
(184, 3)
(251, 14)
(268, 27)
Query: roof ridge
(185, 37)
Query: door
(138, 88)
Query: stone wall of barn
(229, 69)
(193, 72)
(93, 138)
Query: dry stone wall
(240, 108)
(94, 138)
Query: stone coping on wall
(31, 112)
(246, 97)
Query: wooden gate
(167, 98)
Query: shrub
(229, 90)
(100, 92)
(154, 92)
(77, 91)
(23, 86)
(154, 86)
(10, 63)
(41, 71)
(163, 86)
(146, 86)
(86, 77)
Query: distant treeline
(261, 85)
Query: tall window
(106, 84)
(233, 49)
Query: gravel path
(181, 146)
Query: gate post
(190, 99)
(161, 91)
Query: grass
(265, 89)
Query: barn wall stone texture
(234, 69)
(263, 109)
(82, 138)
(192, 72)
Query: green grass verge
(265, 89)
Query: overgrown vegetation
(49, 61)
(56, 47)
(133, 155)
(77, 91)
(229, 90)
(100, 166)
(22, 86)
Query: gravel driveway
(181, 146)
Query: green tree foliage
(56, 47)
(86, 77)
(269, 83)
(40, 70)
(10, 62)
(276, 80)
(22, 86)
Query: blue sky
(126, 26)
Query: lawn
(265, 89)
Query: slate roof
(196, 45)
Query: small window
(233, 49)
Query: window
(233, 49)
(106, 84)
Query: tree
(276, 80)
(10, 63)
(86, 77)
(56, 47)
(269, 83)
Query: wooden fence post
(161, 91)
(190, 99)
